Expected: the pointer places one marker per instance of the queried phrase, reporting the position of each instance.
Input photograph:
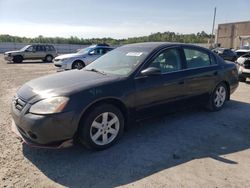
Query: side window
(39, 48)
(49, 48)
(213, 59)
(52, 48)
(247, 55)
(99, 51)
(196, 58)
(43, 48)
(30, 49)
(167, 61)
(104, 51)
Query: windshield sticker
(134, 54)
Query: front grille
(19, 103)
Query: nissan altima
(133, 82)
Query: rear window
(196, 58)
(50, 48)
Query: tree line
(200, 37)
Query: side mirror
(150, 71)
(92, 53)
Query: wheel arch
(113, 101)
(49, 55)
(74, 61)
(20, 55)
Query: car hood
(62, 84)
(241, 60)
(11, 52)
(69, 56)
(242, 50)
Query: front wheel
(18, 59)
(218, 97)
(101, 127)
(78, 65)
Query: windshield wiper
(95, 70)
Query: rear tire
(218, 97)
(18, 59)
(78, 65)
(101, 127)
(48, 58)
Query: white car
(244, 67)
(82, 58)
(243, 50)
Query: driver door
(29, 52)
(159, 93)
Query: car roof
(154, 45)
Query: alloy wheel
(104, 128)
(220, 96)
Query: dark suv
(44, 52)
(226, 54)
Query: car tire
(48, 58)
(78, 65)
(18, 59)
(218, 97)
(242, 79)
(101, 127)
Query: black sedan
(132, 82)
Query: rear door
(201, 73)
(40, 52)
(157, 93)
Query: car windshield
(121, 61)
(84, 50)
(24, 48)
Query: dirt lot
(194, 148)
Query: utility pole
(213, 26)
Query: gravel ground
(192, 148)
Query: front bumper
(56, 145)
(62, 65)
(49, 131)
(244, 72)
(8, 58)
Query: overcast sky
(115, 18)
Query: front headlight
(65, 59)
(49, 106)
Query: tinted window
(49, 48)
(246, 55)
(105, 50)
(229, 52)
(30, 49)
(167, 61)
(40, 48)
(100, 51)
(196, 58)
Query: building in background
(233, 35)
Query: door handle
(215, 73)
